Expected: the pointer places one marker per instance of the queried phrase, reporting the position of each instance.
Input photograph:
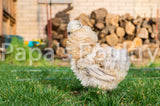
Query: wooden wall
(1, 16)
(7, 17)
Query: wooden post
(1, 16)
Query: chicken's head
(73, 26)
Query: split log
(137, 20)
(122, 18)
(154, 20)
(112, 19)
(122, 23)
(121, 40)
(99, 15)
(56, 36)
(154, 28)
(111, 29)
(84, 19)
(55, 45)
(120, 31)
(102, 35)
(137, 42)
(102, 41)
(93, 29)
(149, 29)
(100, 26)
(128, 45)
(118, 46)
(154, 34)
(112, 39)
(146, 41)
(139, 24)
(145, 24)
(128, 17)
(146, 18)
(129, 37)
(153, 41)
(92, 21)
(105, 30)
(62, 29)
(56, 22)
(143, 33)
(98, 33)
(63, 42)
(60, 36)
(60, 51)
(129, 28)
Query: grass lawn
(48, 87)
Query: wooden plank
(1, 16)
(7, 15)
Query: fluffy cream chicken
(94, 65)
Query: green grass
(45, 87)
(24, 55)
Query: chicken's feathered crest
(73, 26)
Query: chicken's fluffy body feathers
(95, 65)
(78, 41)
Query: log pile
(59, 36)
(59, 31)
(123, 31)
(113, 30)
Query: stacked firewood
(59, 36)
(123, 31)
(113, 30)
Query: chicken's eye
(69, 33)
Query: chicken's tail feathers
(118, 60)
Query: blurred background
(29, 24)
(42, 23)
